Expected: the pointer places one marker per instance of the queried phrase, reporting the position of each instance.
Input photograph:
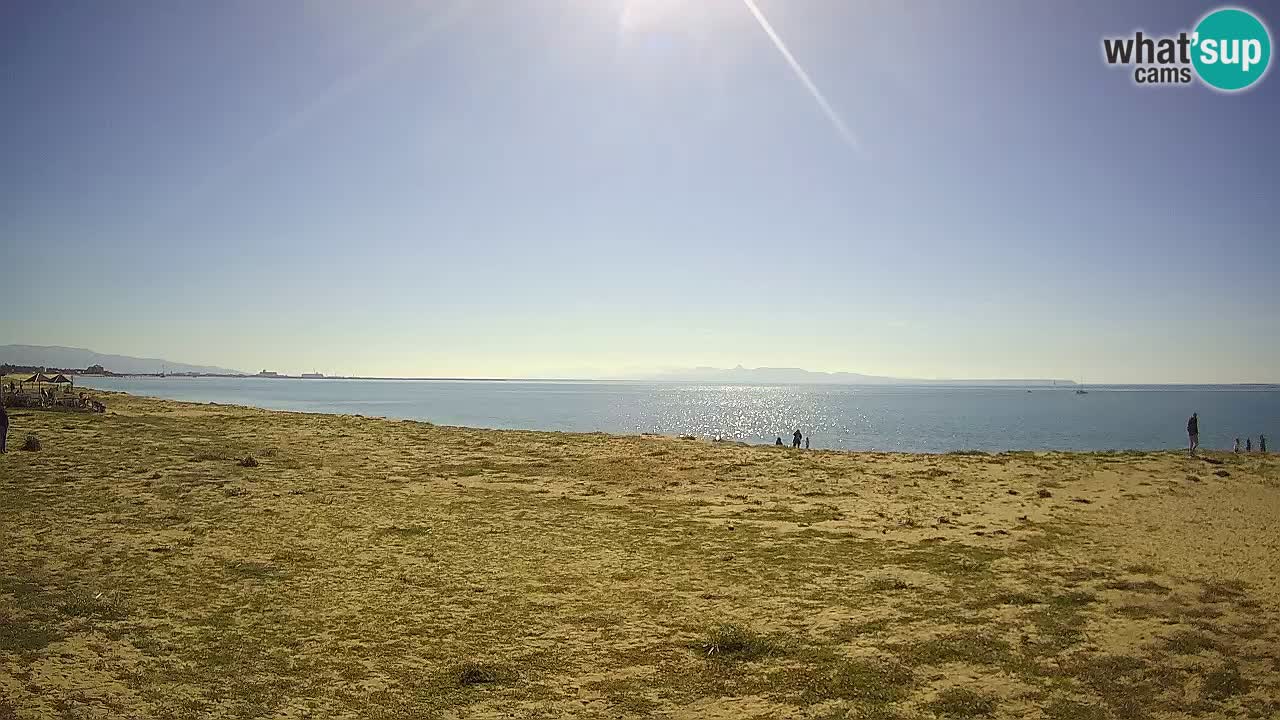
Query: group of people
(84, 401)
(47, 399)
(1193, 437)
(796, 438)
(1248, 444)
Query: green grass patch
(958, 562)
(735, 642)
(470, 673)
(1060, 622)
(252, 570)
(1190, 642)
(1128, 685)
(1226, 682)
(1216, 591)
(962, 703)
(1074, 599)
(973, 647)
(1138, 586)
(1136, 612)
(884, 584)
(1018, 598)
(848, 631)
(408, 531)
(24, 636)
(628, 696)
(99, 606)
(1063, 709)
(867, 681)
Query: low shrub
(481, 673)
(736, 642)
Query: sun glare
(666, 16)
(647, 15)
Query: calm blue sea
(898, 418)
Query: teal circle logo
(1232, 49)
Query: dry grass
(368, 568)
(734, 642)
(962, 703)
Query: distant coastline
(903, 383)
(83, 362)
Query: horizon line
(888, 382)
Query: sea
(882, 418)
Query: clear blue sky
(585, 187)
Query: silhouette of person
(1237, 450)
(806, 442)
(795, 439)
(4, 430)
(779, 441)
(1193, 432)
(1248, 444)
(1262, 442)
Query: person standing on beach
(4, 429)
(1262, 442)
(1248, 444)
(1193, 432)
(806, 442)
(795, 439)
(1237, 450)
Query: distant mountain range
(53, 356)
(768, 376)
(80, 358)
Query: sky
(536, 188)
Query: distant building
(269, 373)
(312, 376)
(95, 370)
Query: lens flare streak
(836, 121)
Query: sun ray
(836, 121)
(335, 92)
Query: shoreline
(871, 441)
(682, 438)
(912, 384)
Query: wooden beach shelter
(57, 380)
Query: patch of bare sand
(1207, 527)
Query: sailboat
(1080, 390)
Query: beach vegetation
(405, 567)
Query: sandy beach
(367, 568)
